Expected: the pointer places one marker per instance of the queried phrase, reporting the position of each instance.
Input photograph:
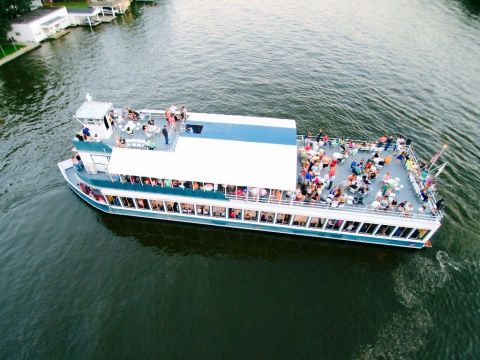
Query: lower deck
(231, 214)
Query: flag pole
(437, 156)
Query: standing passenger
(165, 133)
(183, 113)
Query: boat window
(367, 228)
(283, 219)
(385, 230)
(196, 129)
(204, 210)
(419, 234)
(250, 215)
(221, 188)
(231, 190)
(300, 220)
(235, 214)
(334, 224)
(316, 222)
(402, 232)
(143, 204)
(208, 187)
(351, 226)
(267, 217)
(127, 202)
(113, 200)
(172, 206)
(218, 211)
(146, 181)
(276, 195)
(264, 193)
(91, 192)
(242, 191)
(188, 209)
(157, 205)
(196, 185)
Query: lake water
(76, 283)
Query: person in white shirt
(173, 109)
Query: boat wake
(415, 283)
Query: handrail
(345, 207)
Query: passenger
(319, 136)
(184, 113)
(401, 156)
(165, 133)
(386, 177)
(388, 143)
(86, 132)
(326, 140)
(439, 204)
(350, 226)
(77, 162)
(399, 143)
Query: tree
(9, 10)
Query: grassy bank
(71, 4)
(9, 49)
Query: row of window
(269, 217)
(230, 190)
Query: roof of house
(52, 21)
(35, 15)
(84, 11)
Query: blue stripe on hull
(247, 226)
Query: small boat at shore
(251, 173)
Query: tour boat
(245, 172)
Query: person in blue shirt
(86, 132)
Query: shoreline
(28, 48)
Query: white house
(39, 24)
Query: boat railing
(321, 205)
(432, 199)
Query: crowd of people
(150, 128)
(319, 165)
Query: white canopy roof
(242, 120)
(93, 110)
(262, 165)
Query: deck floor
(397, 171)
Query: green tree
(9, 10)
